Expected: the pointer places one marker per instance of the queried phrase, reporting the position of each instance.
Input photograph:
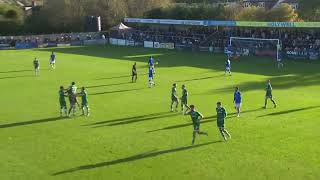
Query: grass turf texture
(132, 135)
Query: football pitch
(131, 133)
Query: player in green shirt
(196, 117)
(269, 95)
(221, 116)
(63, 104)
(184, 99)
(36, 65)
(174, 97)
(84, 102)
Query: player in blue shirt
(228, 67)
(151, 64)
(237, 101)
(151, 83)
(53, 60)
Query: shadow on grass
(291, 111)
(128, 118)
(106, 85)
(118, 91)
(26, 123)
(14, 77)
(119, 77)
(198, 79)
(137, 157)
(118, 122)
(16, 71)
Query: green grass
(131, 134)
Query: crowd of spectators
(50, 38)
(291, 39)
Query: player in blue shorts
(53, 60)
(237, 101)
(228, 67)
(150, 75)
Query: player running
(36, 65)
(63, 104)
(151, 83)
(228, 67)
(221, 116)
(174, 97)
(269, 95)
(53, 60)
(237, 101)
(84, 102)
(134, 73)
(196, 117)
(184, 99)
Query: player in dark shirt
(134, 73)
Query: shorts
(174, 99)
(37, 67)
(52, 62)
(134, 74)
(63, 104)
(184, 101)
(150, 78)
(84, 104)
(228, 69)
(238, 105)
(221, 127)
(268, 96)
(196, 126)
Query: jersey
(62, 100)
(84, 98)
(221, 115)
(237, 97)
(195, 116)
(184, 95)
(151, 62)
(269, 90)
(134, 70)
(36, 63)
(52, 58)
(174, 94)
(228, 64)
(73, 89)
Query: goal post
(241, 46)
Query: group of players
(70, 92)
(196, 116)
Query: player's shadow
(199, 79)
(16, 71)
(136, 157)
(127, 118)
(119, 77)
(125, 121)
(107, 85)
(26, 123)
(117, 91)
(15, 77)
(290, 111)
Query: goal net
(239, 46)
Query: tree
(251, 14)
(283, 13)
